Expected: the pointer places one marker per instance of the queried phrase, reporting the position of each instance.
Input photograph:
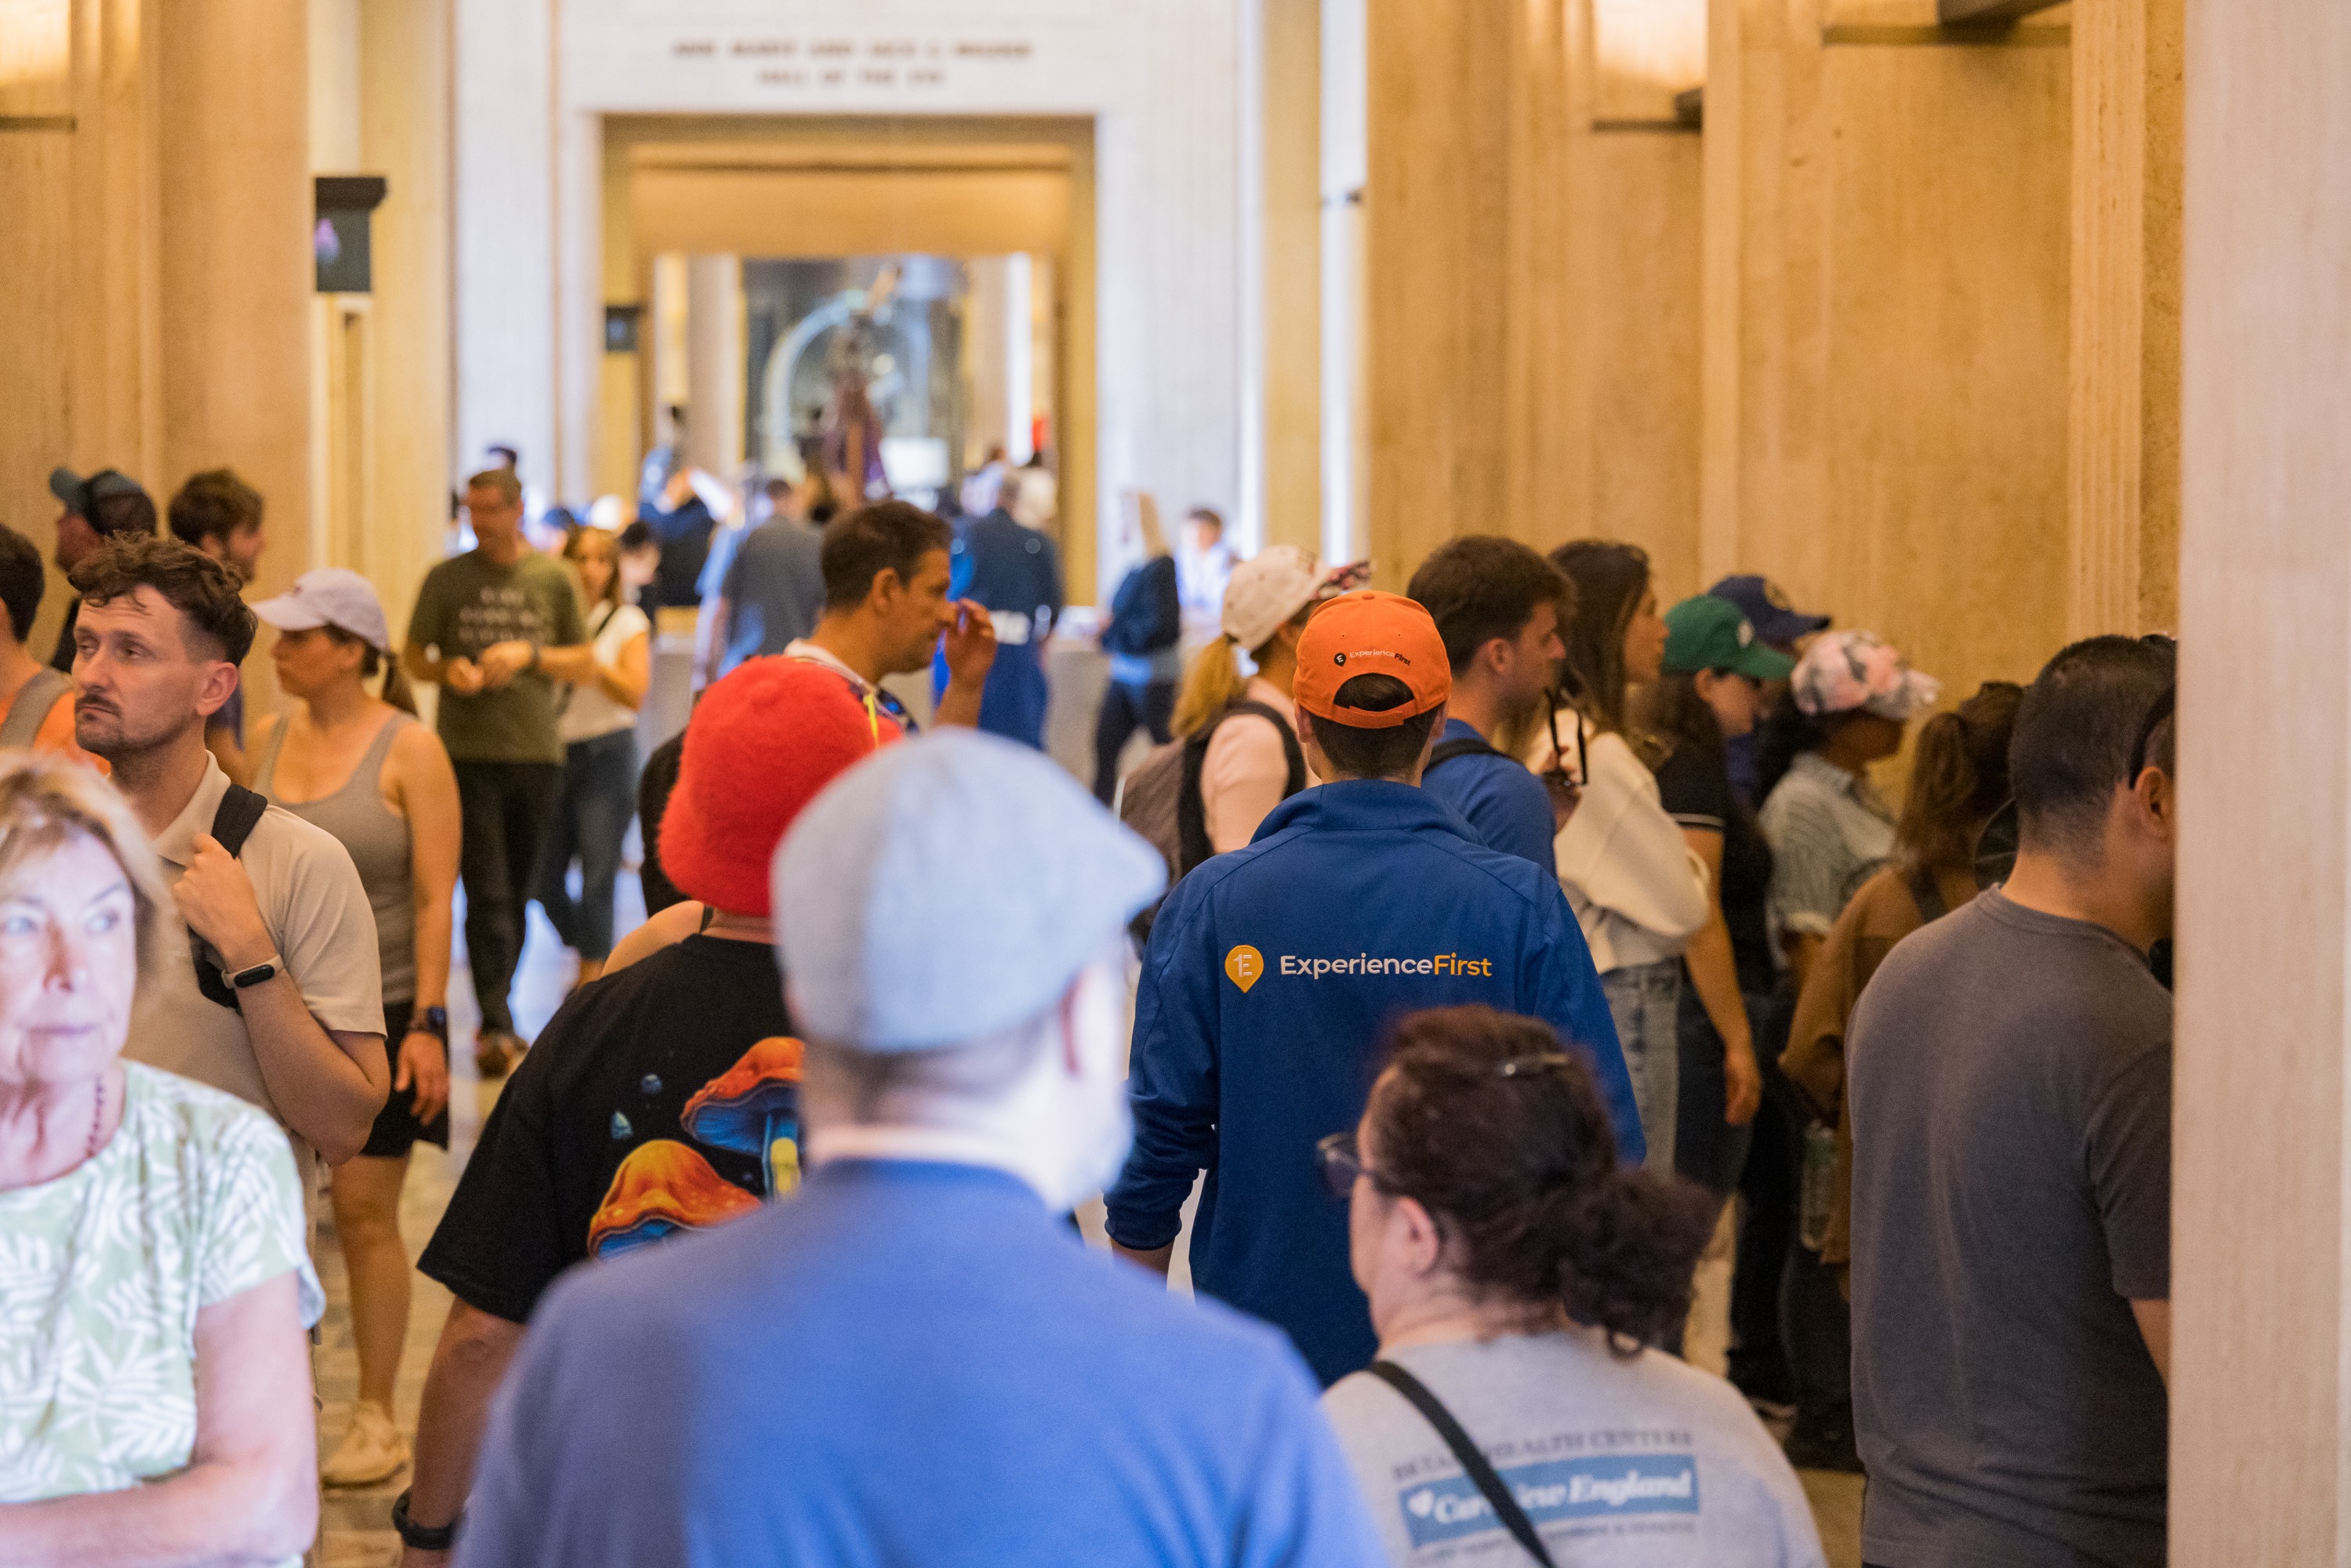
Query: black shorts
(396, 1129)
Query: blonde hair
(1213, 679)
(46, 802)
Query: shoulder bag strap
(239, 812)
(1928, 894)
(1467, 746)
(30, 707)
(1498, 1496)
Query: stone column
(2124, 467)
(2260, 1388)
(235, 271)
(715, 351)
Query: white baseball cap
(1275, 585)
(331, 596)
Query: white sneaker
(372, 1451)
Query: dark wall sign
(338, 238)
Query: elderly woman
(155, 1378)
(1515, 1273)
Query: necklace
(97, 1118)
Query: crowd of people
(1495, 949)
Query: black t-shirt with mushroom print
(663, 1098)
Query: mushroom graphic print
(661, 1189)
(754, 1107)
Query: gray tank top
(379, 845)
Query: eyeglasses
(1342, 1164)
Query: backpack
(1161, 798)
(30, 707)
(239, 812)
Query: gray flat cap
(949, 887)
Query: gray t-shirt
(2011, 1091)
(777, 587)
(1637, 1463)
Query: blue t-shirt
(904, 1363)
(1496, 795)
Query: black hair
(1610, 577)
(639, 535)
(214, 504)
(1788, 732)
(201, 589)
(395, 681)
(887, 536)
(1486, 1120)
(21, 581)
(1958, 778)
(1365, 753)
(1481, 587)
(115, 516)
(2081, 720)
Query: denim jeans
(599, 796)
(507, 806)
(1642, 999)
(1709, 1150)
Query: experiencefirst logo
(1245, 966)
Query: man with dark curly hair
(282, 1003)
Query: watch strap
(424, 1538)
(259, 974)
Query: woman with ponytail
(359, 764)
(1252, 764)
(1516, 1274)
(1958, 778)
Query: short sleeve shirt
(2009, 1077)
(1829, 833)
(468, 604)
(316, 913)
(1496, 795)
(1694, 786)
(1619, 1463)
(596, 1145)
(103, 1270)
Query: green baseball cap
(1710, 633)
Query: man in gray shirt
(773, 593)
(2011, 1089)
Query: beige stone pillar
(404, 136)
(715, 362)
(2260, 1388)
(235, 268)
(1291, 44)
(2123, 468)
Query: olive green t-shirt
(465, 605)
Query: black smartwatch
(261, 974)
(434, 1021)
(439, 1538)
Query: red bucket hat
(761, 744)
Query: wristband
(534, 658)
(434, 1021)
(424, 1538)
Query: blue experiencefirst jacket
(1273, 974)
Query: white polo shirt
(317, 914)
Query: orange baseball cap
(1371, 633)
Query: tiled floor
(356, 1524)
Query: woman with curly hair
(1515, 1276)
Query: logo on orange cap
(1371, 633)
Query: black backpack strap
(1473, 1463)
(1928, 894)
(239, 812)
(1466, 746)
(1192, 809)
